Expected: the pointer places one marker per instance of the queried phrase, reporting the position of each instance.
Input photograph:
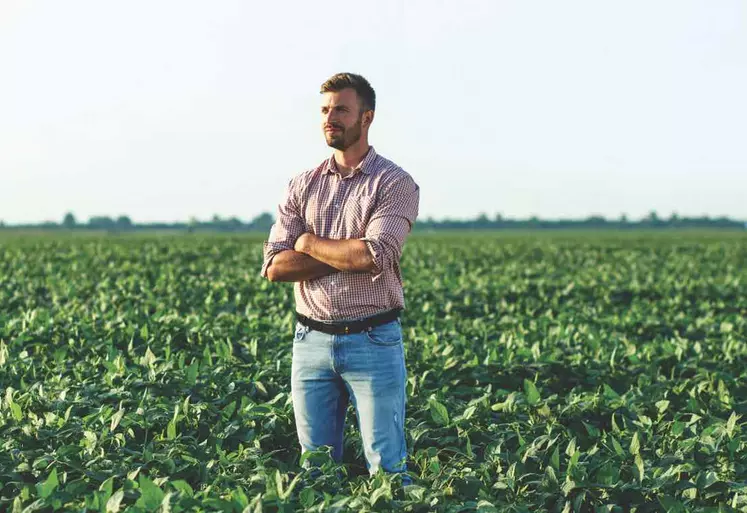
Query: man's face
(341, 118)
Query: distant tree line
(123, 223)
(264, 221)
(652, 221)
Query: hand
(304, 242)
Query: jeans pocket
(389, 334)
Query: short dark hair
(341, 81)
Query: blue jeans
(369, 368)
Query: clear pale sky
(163, 110)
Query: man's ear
(368, 117)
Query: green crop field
(546, 372)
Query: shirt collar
(364, 166)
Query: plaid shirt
(376, 203)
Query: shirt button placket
(339, 195)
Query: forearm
(349, 255)
(291, 265)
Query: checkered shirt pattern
(376, 203)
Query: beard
(346, 137)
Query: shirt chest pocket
(356, 214)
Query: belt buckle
(347, 329)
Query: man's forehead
(346, 96)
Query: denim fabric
(367, 368)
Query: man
(339, 235)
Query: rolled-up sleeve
(391, 221)
(288, 226)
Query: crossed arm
(314, 257)
(293, 254)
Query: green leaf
(570, 450)
(732, 423)
(239, 497)
(613, 422)
(149, 358)
(112, 505)
(150, 494)
(639, 466)
(671, 505)
(609, 393)
(261, 388)
(307, 497)
(229, 410)
(574, 460)
(116, 418)
(171, 430)
(382, 491)
(706, 479)
(635, 445)
(677, 428)
(618, 448)
(592, 430)
(694, 417)
(49, 486)
(533, 395)
(133, 474)
(16, 411)
(555, 459)
(183, 487)
(484, 506)
(550, 477)
(469, 412)
(279, 483)
(662, 405)
(107, 487)
(439, 414)
(415, 492)
(192, 371)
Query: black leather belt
(344, 328)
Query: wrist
(308, 243)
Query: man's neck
(351, 157)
